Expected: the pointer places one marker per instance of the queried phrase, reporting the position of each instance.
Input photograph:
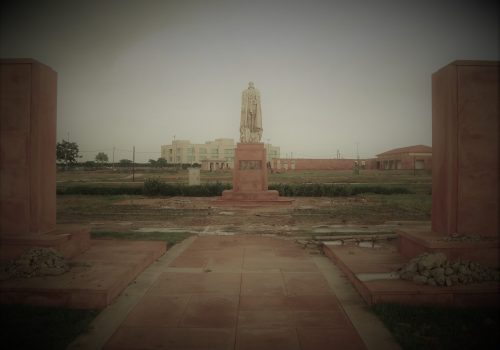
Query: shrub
(99, 190)
(152, 186)
(329, 190)
(155, 187)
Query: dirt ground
(169, 175)
(199, 214)
(122, 213)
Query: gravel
(436, 270)
(36, 262)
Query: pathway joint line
(372, 331)
(110, 318)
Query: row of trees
(68, 154)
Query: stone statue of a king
(251, 116)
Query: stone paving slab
(271, 295)
(238, 292)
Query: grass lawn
(169, 175)
(438, 328)
(36, 327)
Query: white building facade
(220, 151)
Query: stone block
(28, 140)
(465, 113)
(250, 177)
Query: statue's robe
(251, 116)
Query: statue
(251, 116)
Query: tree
(125, 162)
(101, 157)
(67, 152)
(90, 165)
(161, 162)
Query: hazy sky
(330, 73)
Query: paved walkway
(238, 292)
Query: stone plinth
(413, 243)
(95, 279)
(28, 100)
(250, 176)
(70, 240)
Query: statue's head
(250, 85)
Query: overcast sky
(330, 73)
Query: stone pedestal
(250, 176)
(28, 159)
(465, 116)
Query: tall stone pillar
(28, 105)
(27, 152)
(465, 115)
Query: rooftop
(409, 149)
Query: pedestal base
(95, 279)
(250, 178)
(69, 240)
(250, 196)
(485, 252)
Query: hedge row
(155, 187)
(100, 190)
(333, 190)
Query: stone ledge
(354, 261)
(95, 278)
(413, 243)
(70, 240)
(252, 198)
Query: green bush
(152, 186)
(99, 190)
(332, 190)
(155, 187)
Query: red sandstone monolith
(28, 97)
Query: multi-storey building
(220, 151)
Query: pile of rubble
(36, 262)
(437, 270)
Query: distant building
(407, 158)
(284, 164)
(212, 155)
(417, 157)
